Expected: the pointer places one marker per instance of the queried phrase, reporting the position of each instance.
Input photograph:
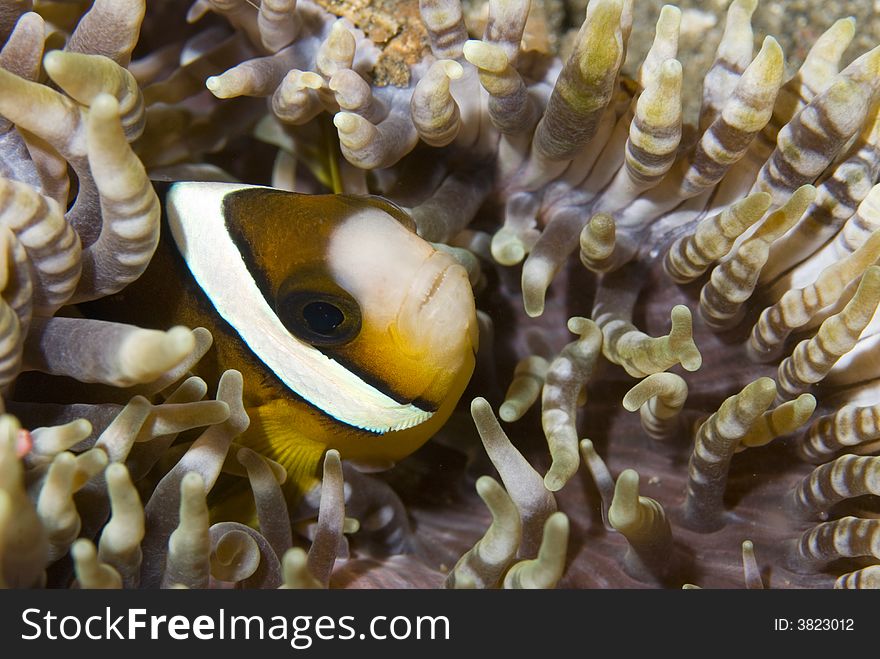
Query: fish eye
(323, 317)
(319, 318)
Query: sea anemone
(753, 235)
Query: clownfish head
(339, 298)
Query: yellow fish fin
(273, 434)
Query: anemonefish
(351, 331)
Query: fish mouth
(438, 311)
(436, 284)
(431, 281)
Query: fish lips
(437, 317)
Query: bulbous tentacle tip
(771, 58)
(54, 62)
(560, 473)
(296, 571)
(480, 406)
(484, 565)
(660, 398)
(332, 460)
(537, 275)
(434, 111)
(346, 122)
(681, 339)
(90, 571)
(624, 507)
(643, 522)
(534, 307)
(545, 571)
(104, 107)
(148, 353)
(597, 243)
(484, 55)
(508, 412)
(782, 420)
(585, 327)
(760, 389)
(452, 69)
(507, 247)
(215, 85)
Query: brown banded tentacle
(848, 427)
(566, 377)
(745, 112)
(733, 55)
(692, 254)
(511, 109)
(809, 142)
(848, 537)
(733, 281)
(642, 521)
(813, 358)
(278, 23)
(484, 565)
(584, 86)
(659, 398)
(847, 477)
(445, 25)
(524, 485)
(714, 446)
(434, 111)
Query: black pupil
(322, 317)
